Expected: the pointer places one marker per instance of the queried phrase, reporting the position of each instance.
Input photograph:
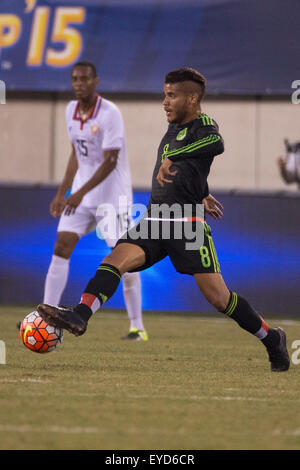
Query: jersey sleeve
(206, 191)
(201, 142)
(113, 130)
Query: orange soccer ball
(38, 336)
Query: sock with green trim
(99, 289)
(247, 318)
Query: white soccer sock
(133, 299)
(56, 280)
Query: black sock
(102, 286)
(241, 311)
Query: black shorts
(202, 259)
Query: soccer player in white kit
(98, 173)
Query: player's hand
(165, 171)
(213, 207)
(57, 205)
(72, 202)
(281, 162)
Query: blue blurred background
(256, 241)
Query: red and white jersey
(102, 130)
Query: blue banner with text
(240, 47)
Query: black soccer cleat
(62, 317)
(279, 356)
(19, 325)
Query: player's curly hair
(187, 74)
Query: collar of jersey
(93, 113)
(187, 124)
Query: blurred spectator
(290, 164)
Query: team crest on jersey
(95, 129)
(181, 135)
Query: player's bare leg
(57, 275)
(124, 257)
(214, 289)
(65, 244)
(236, 307)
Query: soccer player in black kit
(180, 176)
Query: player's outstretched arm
(209, 145)
(57, 205)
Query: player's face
(176, 103)
(83, 82)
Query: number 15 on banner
(62, 32)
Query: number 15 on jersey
(82, 147)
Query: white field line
(55, 429)
(146, 396)
(31, 380)
(161, 397)
(199, 397)
(288, 322)
(290, 432)
(154, 397)
(213, 319)
(28, 428)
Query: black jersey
(192, 148)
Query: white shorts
(109, 227)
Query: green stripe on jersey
(206, 120)
(210, 139)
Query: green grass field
(200, 382)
